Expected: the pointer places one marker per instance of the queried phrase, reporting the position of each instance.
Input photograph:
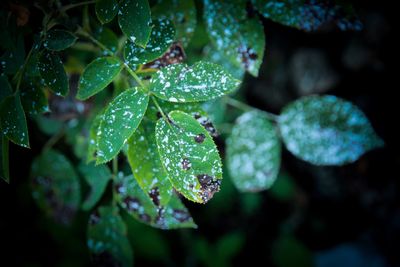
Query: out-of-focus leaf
(237, 35)
(253, 152)
(189, 156)
(97, 177)
(4, 163)
(134, 18)
(52, 71)
(284, 188)
(97, 75)
(55, 186)
(120, 120)
(203, 81)
(48, 125)
(58, 40)
(326, 130)
(300, 255)
(107, 37)
(106, 10)
(182, 13)
(107, 238)
(5, 88)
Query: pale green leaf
(132, 198)
(106, 10)
(234, 33)
(161, 38)
(182, 13)
(107, 237)
(253, 152)
(97, 75)
(203, 81)
(134, 18)
(120, 120)
(189, 156)
(13, 121)
(52, 71)
(97, 178)
(326, 130)
(58, 40)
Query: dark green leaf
(55, 186)
(106, 10)
(48, 125)
(203, 81)
(120, 120)
(4, 164)
(58, 40)
(182, 13)
(107, 37)
(326, 130)
(300, 255)
(107, 237)
(33, 98)
(13, 120)
(13, 58)
(189, 156)
(52, 71)
(240, 37)
(161, 38)
(253, 152)
(94, 128)
(97, 177)
(132, 198)
(5, 88)
(309, 15)
(97, 75)
(134, 18)
(284, 188)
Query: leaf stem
(243, 106)
(159, 109)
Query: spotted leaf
(253, 152)
(161, 38)
(94, 128)
(106, 10)
(189, 156)
(326, 130)
(120, 120)
(52, 71)
(33, 98)
(238, 35)
(107, 238)
(203, 81)
(55, 186)
(58, 40)
(97, 75)
(132, 198)
(134, 19)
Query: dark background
(320, 216)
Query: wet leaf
(175, 54)
(134, 18)
(192, 108)
(52, 71)
(94, 128)
(309, 15)
(106, 10)
(238, 36)
(97, 75)
(182, 13)
(189, 156)
(120, 120)
(326, 130)
(107, 238)
(13, 121)
(132, 198)
(203, 81)
(97, 178)
(4, 159)
(58, 40)
(146, 164)
(33, 97)
(253, 152)
(107, 37)
(55, 186)
(161, 38)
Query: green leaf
(192, 108)
(189, 156)
(134, 19)
(120, 120)
(300, 255)
(132, 198)
(161, 38)
(55, 186)
(309, 15)
(284, 188)
(97, 75)
(234, 33)
(107, 237)
(203, 81)
(52, 71)
(14, 57)
(106, 10)
(5, 87)
(58, 40)
(107, 37)
(13, 120)
(48, 125)
(33, 98)
(146, 164)
(4, 163)
(94, 128)
(182, 13)
(253, 152)
(326, 130)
